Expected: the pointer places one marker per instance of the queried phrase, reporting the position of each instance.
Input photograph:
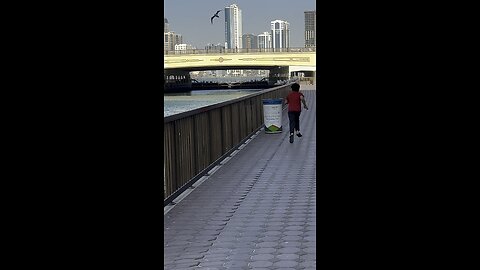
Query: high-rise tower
(280, 34)
(170, 39)
(233, 27)
(310, 28)
(265, 40)
(249, 41)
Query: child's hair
(296, 87)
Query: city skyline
(257, 16)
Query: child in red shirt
(294, 109)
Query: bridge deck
(257, 211)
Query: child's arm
(302, 98)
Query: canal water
(180, 102)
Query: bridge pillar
(278, 74)
(310, 77)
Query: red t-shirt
(294, 103)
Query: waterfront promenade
(256, 211)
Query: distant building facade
(233, 27)
(280, 34)
(249, 41)
(165, 25)
(310, 28)
(183, 47)
(264, 41)
(219, 47)
(170, 39)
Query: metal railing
(196, 141)
(225, 51)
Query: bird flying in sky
(216, 15)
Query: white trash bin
(272, 115)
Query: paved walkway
(257, 211)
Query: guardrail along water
(197, 140)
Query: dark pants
(294, 118)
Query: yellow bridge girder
(254, 59)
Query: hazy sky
(191, 18)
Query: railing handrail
(174, 117)
(197, 143)
(227, 51)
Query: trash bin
(272, 115)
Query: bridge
(281, 63)
(256, 208)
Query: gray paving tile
(275, 228)
(308, 257)
(264, 250)
(229, 245)
(218, 250)
(291, 238)
(184, 238)
(291, 244)
(211, 264)
(297, 233)
(175, 250)
(276, 223)
(281, 264)
(244, 239)
(186, 261)
(294, 228)
(194, 256)
(294, 222)
(236, 264)
(240, 256)
(310, 233)
(288, 257)
(310, 250)
(289, 250)
(309, 244)
(214, 258)
(190, 249)
(267, 244)
(310, 237)
(262, 257)
(308, 264)
(184, 265)
(260, 264)
(269, 239)
(273, 232)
